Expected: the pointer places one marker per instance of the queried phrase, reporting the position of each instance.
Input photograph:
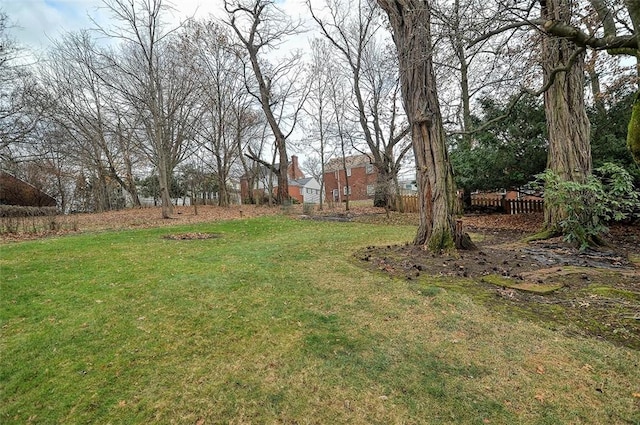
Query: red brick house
(301, 189)
(361, 174)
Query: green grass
(273, 322)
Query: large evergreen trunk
(410, 20)
(567, 123)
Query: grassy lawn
(272, 322)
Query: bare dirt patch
(594, 292)
(190, 236)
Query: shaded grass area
(271, 322)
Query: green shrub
(607, 195)
(622, 199)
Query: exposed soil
(594, 293)
(190, 236)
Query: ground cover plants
(273, 320)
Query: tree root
(463, 240)
(543, 235)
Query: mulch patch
(597, 292)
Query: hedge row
(18, 211)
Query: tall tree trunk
(223, 198)
(410, 20)
(384, 193)
(567, 123)
(164, 180)
(347, 189)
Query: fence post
(504, 204)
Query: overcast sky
(36, 22)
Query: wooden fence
(409, 203)
(506, 206)
(510, 206)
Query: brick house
(361, 173)
(301, 188)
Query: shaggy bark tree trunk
(567, 123)
(410, 20)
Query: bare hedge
(19, 211)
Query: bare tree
(620, 36)
(260, 26)
(318, 109)
(87, 112)
(21, 106)
(354, 33)
(150, 72)
(342, 128)
(226, 104)
(389, 129)
(495, 66)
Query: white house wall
(314, 196)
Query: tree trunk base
(543, 235)
(463, 240)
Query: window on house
(309, 191)
(348, 172)
(371, 190)
(369, 168)
(347, 190)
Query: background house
(361, 173)
(301, 188)
(309, 190)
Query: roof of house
(15, 191)
(300, 182)
(353, 161)
(303, 182)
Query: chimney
(295, 168)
